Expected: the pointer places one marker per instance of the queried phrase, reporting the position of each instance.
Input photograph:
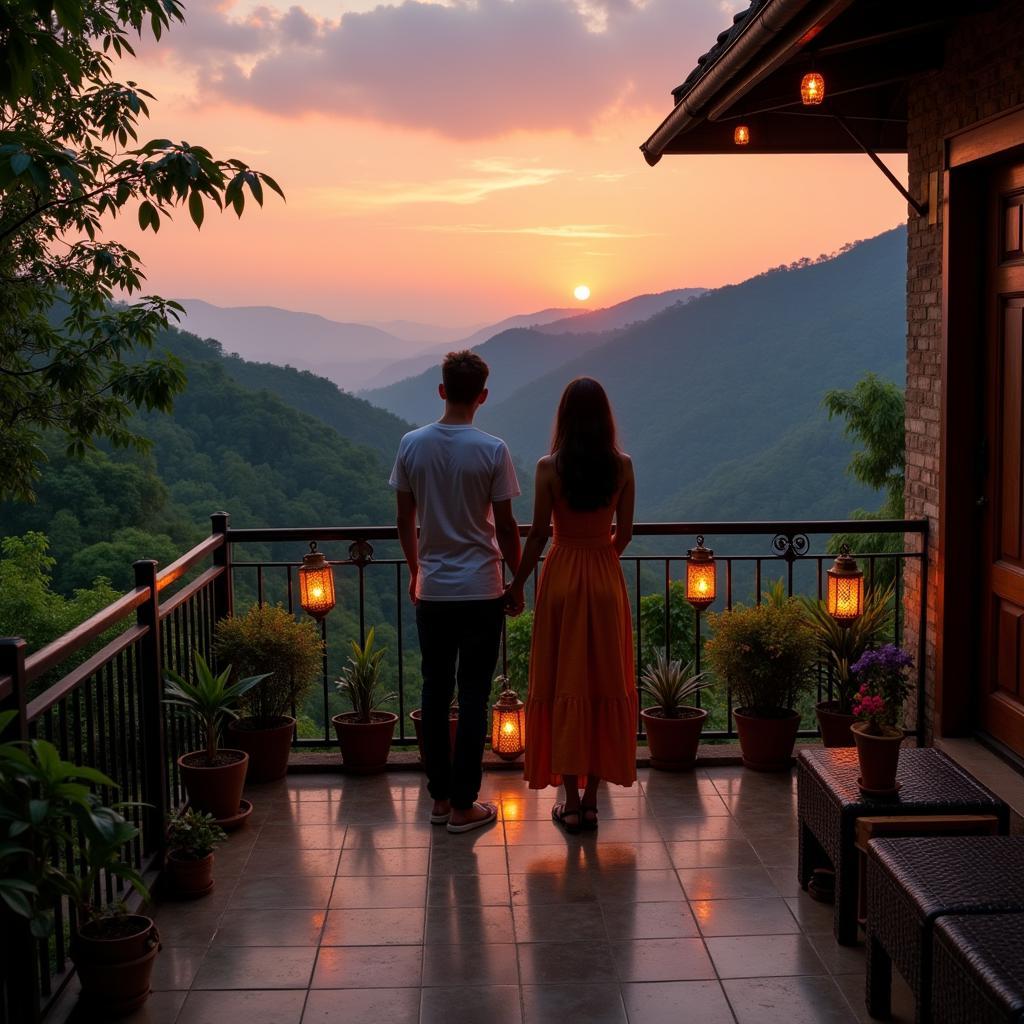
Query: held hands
(515, 601)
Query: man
(460, 483)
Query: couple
(581, 710)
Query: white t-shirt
(455, 472)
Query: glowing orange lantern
(700, 576)
(508, 726)
(845, 597)
(741, 135)
(812, 89)
(316, 583)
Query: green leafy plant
(48, 807)
(764, 653)
(670, 686)
(193, 835)
(360, 679)
(268, 638)
(212, 699)
(841, 645)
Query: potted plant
(57, 841)
(764, 653)
(192, 837)
(215, 776)
(883, 682)
(364, 733)
(453, 724)
(840, 645)
(673, 727)
(268, 639)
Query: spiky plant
(670, 685)
(360, 679)
(842, 645)
(213, 699)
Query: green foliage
(682, 625)
(840, 645)
(211, 698)
(360, 679)
(519, 635)
(29, 608)
(193, 834)
(764, 653)
(670, 686)
(49, 811)
(70, 159)
(267, 638)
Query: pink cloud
(465, 70)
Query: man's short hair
(464, 375)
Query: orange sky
(460, 162)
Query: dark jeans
(459, 643)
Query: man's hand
(515, 601)
(413, 578)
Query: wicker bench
(978, 969)
(911, 883)
(829, 803)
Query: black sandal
(589, 817)
(558, 816)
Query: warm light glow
(741, 135)
(812, 89)
(700, 576)
(845, 596)
(582, 292)
(508, 726)
(316, 584)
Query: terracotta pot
(114, 959)
(673, 742)
(268, 747)
(834, 725)
(879, 757)
(766, 742)
(365, 745)
(216, 790)
(190, 878)
(417, 724)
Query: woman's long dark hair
(585, 446)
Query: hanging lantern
(316, 583)
(845, 598)
(741, 135)
(700, 576)
(508, 726)
(812, 89)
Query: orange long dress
(581, 711)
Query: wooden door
(1002, 626)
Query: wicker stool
(978, 969)
(910, 883)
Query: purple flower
(887, 659)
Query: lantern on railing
(508, 726)
(700, 576)
(316, 583)
(812, 89)
(845, 597)
(741, 135)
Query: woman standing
(581, 712)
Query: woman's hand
(515, 600)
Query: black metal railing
(97, 691)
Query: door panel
(1002, 543)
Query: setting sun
(582, 292)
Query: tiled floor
(339, 903)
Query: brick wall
(983, 74)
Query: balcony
(687, 895)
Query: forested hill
(720, 400)
(260, 454)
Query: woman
(581, 712)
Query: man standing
(460, 483)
